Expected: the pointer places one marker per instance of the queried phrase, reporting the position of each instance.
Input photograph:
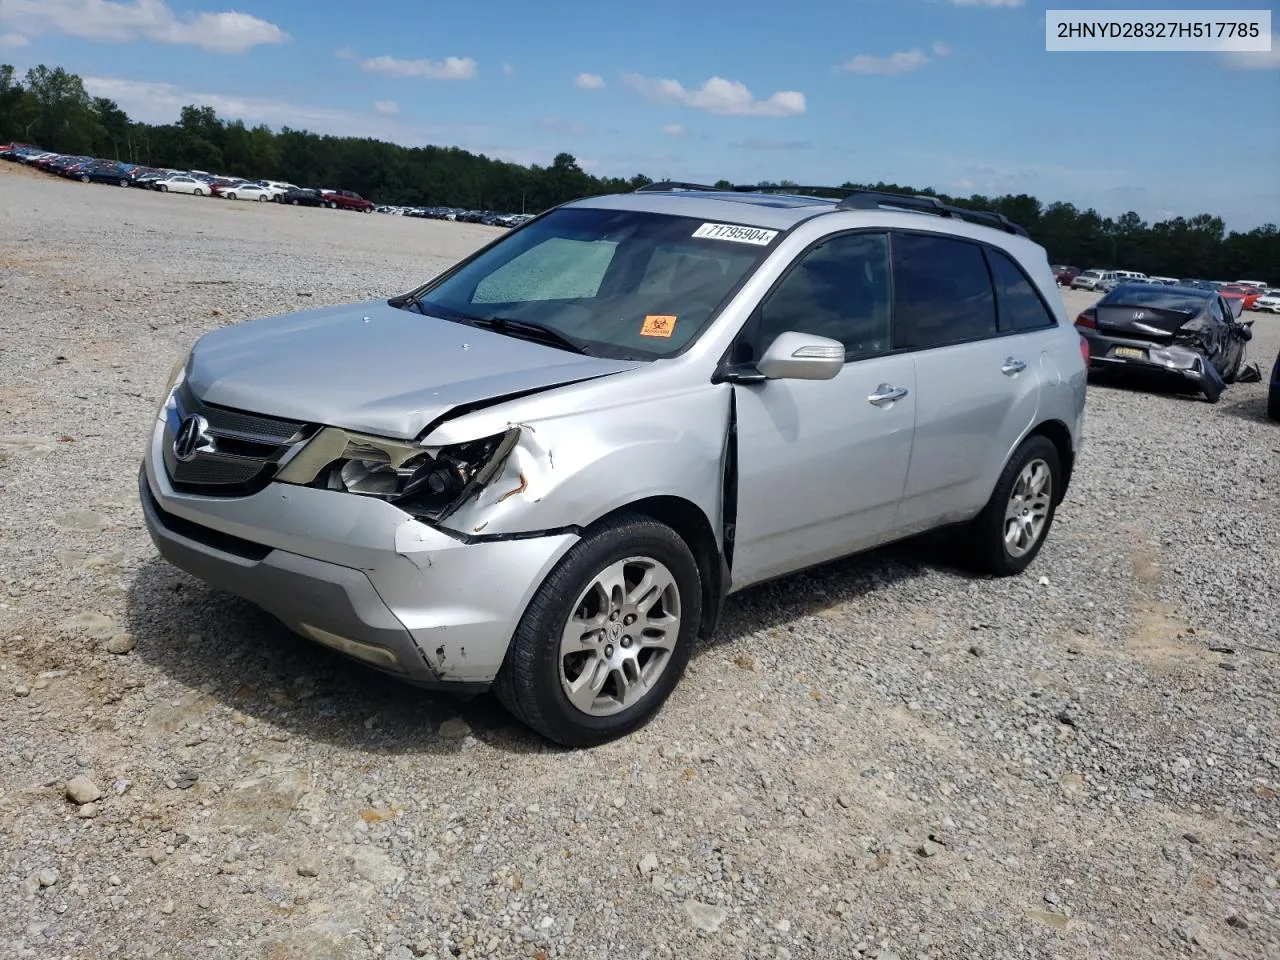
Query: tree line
(51, 108)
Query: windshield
(1091, 273)
(620, 283)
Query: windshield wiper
(406, 298)
(530, 330)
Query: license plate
(1131, 353)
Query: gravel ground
(880, 758)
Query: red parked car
(1233, 291)
(333, 199)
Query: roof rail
(874, 199)
(667, 186)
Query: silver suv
(544, 470)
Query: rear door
(978, 332)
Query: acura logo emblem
(193, 439)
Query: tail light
(1086, 320)
(1084, 350)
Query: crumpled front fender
(568, 471)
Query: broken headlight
(430, 482)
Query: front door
(822, 464)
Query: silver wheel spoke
(583, 691)
(582, 635)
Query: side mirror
(801, 356)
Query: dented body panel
(371, 368)
(346, 564)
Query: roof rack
(874, 199)
(859, 200)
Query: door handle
(1012, 367)
(885, 394)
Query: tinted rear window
(1157, 298)
(942, 291)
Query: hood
(373, 368)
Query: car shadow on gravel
(1248, 408)
(218, 645)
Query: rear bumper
(1158, 360)
(356, 573)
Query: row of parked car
(490, 218)
(1254, 294)
(201, 183)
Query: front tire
(84, 178)
(606, 636)
(1009, 532)
(198, 192)
(333, 206)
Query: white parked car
(1252, 283)
(247, 191)
(183, 184)
(1090, 279)
(1268, 302)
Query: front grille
(247, 448)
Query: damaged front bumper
(1172, 360)
(356, 573)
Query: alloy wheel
(1028, 508)
(620, 636)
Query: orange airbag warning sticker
(657, 325)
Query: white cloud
(718, 95)
(674, 130)
(588, 81)
(964, 183)
(450, 68)
(12, 41)
(345, 53)
(508, 69)
(386, 108)
(1256, 60)
(120, 21)
(894, 64)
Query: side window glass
(1020, 306)
(840, 290)
(942, 292)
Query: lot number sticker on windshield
(727, 231)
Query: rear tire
(124, 183)
(162, 188)
(199, 192)
(541, 665)
(84, 178)
(333, 206)
(1009, 532)
(262, 197)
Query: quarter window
(839, 289)
(1020, 306)
(942, 292)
